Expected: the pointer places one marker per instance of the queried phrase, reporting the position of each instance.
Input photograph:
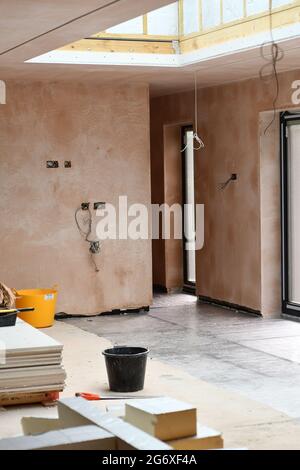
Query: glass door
(290, 153)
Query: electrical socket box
(52, 164)
(85, 206)
(99, 205)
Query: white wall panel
(254, 7)
(233, 10)
(164, 21)
(191, 16)
(280, 3)
(134, 26)
(211, 13)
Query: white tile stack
(30, 361)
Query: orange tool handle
(89, 396)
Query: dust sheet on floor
(244, 423)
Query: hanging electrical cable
(198, 143)
(95, 246)
(271, 54)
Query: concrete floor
(244, 423)
(260, 358)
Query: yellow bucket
(43, 301)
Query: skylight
(186, 17)
(183, 33)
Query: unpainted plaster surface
(174, 198)
(104, 131)
(229, 267)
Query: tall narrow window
(189, 205)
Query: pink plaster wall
(104, 131)
(167, 115)
(229, 268)
(173, 196)
(270, 213)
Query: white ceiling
(50, 24)
(33, 27)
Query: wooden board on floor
(46, 398)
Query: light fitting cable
(268, 72)
(199, 144)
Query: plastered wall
(173, 196)
(229, 267)
(104, 131)
(166, 179)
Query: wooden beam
(124, 37)
(159, 44)
(239, 29)
(110, 45)
(221, 11)
(245, 8)
(145, 24)
(200, 16)
(180, 19)
(22, 398)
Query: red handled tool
(95, 397)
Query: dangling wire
(268, 73)
(199, 144)
(95, 245)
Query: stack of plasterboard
(30, 361)
(174, 422)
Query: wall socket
(55, 164)
(85, 206)
(52, 164)
(99, 205)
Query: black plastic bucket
(126, 368)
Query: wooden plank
(145, 25)
(10, 399)
(239, 29)
(111, 45)
(138, 37)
